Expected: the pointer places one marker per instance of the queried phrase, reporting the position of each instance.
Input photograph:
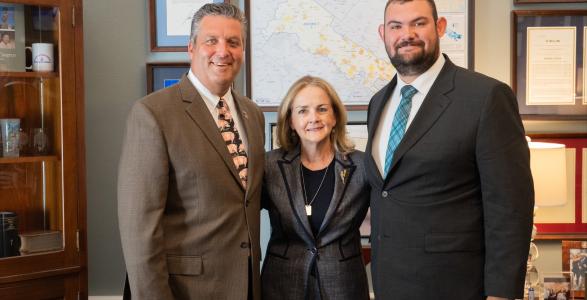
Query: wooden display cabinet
(44, 184)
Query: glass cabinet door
(31, 110)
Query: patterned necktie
(233, 141)
(398, 127)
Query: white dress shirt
(212, 100)
(423, 84)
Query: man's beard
(415, 65)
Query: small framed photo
(575, 262)
(170, 22)
(162, 75)
(557, 286)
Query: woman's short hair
(288, 139)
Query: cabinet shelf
(29, 74)
(27, 159)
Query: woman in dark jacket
(317, 196)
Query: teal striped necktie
(398, 127)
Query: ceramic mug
(42, 59)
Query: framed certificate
(548, 63)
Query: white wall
(116, 50)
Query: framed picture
(570, 220)
(575, 262)
(288, 41)
(170, 23)
(547, 1)
(557, 286)
(162, 75)
(548, 59)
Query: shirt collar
(424, 82)
(205, 93)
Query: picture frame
(161, 75)
(569, 221)
(550, 87)
(547, 1)
(556, 286)
(168, 24)
(351, 58)
(574, 254)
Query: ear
(382, 32)
(441, 26)
(191, 49)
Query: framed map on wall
(337, 40)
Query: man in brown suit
(190, 175)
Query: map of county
(337, 40)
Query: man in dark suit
(449, 166)
(190, 175)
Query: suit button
(314, 250)
(247, 203)
(384, 194)
(244, 245)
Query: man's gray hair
(218, 9)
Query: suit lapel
(432, 108)
(289, 166)
(252, 137)
(376, 108)
(199, 113)
(343, 172)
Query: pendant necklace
(308, 205)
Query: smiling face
(312, 116)
(411, 36)
(217, 53)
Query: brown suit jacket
(187, 225)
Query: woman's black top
(320, 205)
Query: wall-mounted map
(337, 40)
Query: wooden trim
(29, 74)
(42, 274)
(561, 236)
(27, 159)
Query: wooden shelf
(29, 74)
(27, 159)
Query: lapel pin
(343, 175)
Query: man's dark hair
(430, 2)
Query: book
(12, 38)
(40, 241)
